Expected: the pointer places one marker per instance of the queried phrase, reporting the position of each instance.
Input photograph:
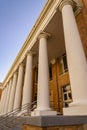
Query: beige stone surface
(80, 127)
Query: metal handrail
(8, 117)
(14, 111)
(17, 118)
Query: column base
(43, 113)
(24, 113)
(76, 109)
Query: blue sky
(17, 18)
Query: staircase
(14, 119)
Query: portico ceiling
(55, 43)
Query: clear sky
(17, 18)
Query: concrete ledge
(45, 121)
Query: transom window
(63, 64)
(50, 72)
(36, 75)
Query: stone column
(27, 89)
(77, 63)
(43, 100)
(18, 94)
(5, 98)
(2, 101)
(12, 95)
(8, 96)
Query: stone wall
(82, 24)
(29, 127)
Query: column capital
(21, 64)
(66, 2)
(9, 80)
(7, 84)
(44, 35)
(15, 72)
(30, 53)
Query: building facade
(51, 67)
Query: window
(63, 64)
(35, 97)
(36, 75)
(50, 72)
(67, 96)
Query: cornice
(78, 8)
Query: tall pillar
(18, 94)
(43, 98)
(2, 101)
(5, 98)
(12, 95)
(77, 63)
(8, 96)
(27, 89)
